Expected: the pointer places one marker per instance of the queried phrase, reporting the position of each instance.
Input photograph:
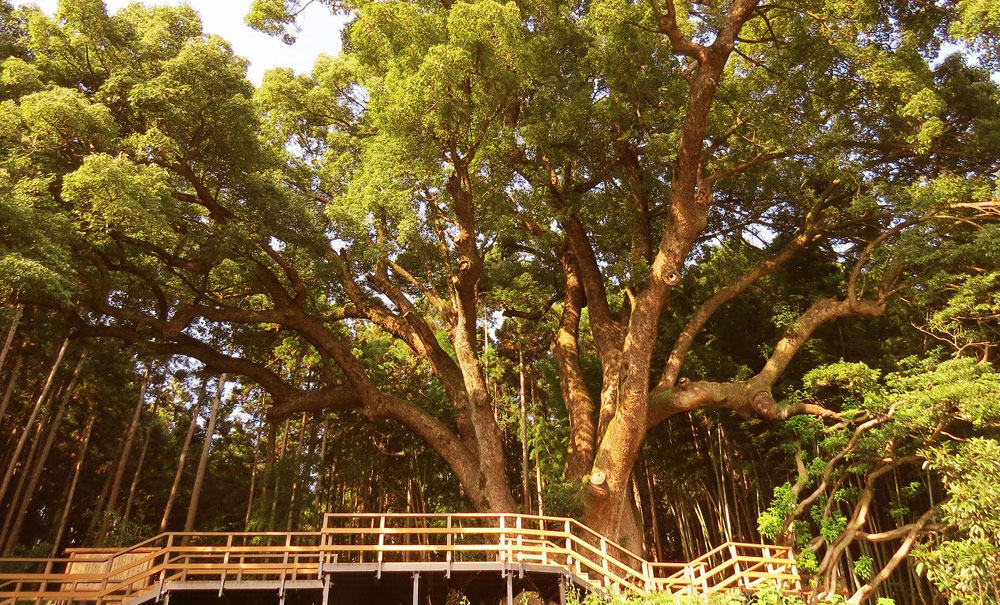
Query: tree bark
(577, 399)
(199, 478)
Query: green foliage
(831, 527)
(864, 567)
(771, 521)
(320, 232)
(964, 562)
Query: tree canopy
(654, 208)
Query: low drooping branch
(831, 558)
(911, 531)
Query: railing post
(322, 551)
(770, 565)
(569, 546)
(704, 577)
(604, 561)
(503, 537)
(381, 543)
(225, 564)
(288, 548)
(736, 565)
(108, 566)
(448, 555)
(647, 571)
(795, 570)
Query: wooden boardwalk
(506, 551)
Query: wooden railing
(386, 542)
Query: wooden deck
(506, 548)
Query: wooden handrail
(560, 543)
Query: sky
(320, 32)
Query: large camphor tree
(459, 163)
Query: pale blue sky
(320, 32)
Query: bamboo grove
(689, 272)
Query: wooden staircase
(377, 544)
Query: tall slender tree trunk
(138, 472)
(142, 456)
(253, 477)
(322, 486)
(296, 475)
(8, 475)
(199, 478)
(116, 483)
(34, 474)
(10, 334)
(97, 512)
(525, 469)
(81, 452)
(654, 515)
(8, 393)
(267, 493)
(175, 486)
(273, 518)
(17, 494)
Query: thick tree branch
(538, 313)
(705, 312)
(753, 396)
(667, 22)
